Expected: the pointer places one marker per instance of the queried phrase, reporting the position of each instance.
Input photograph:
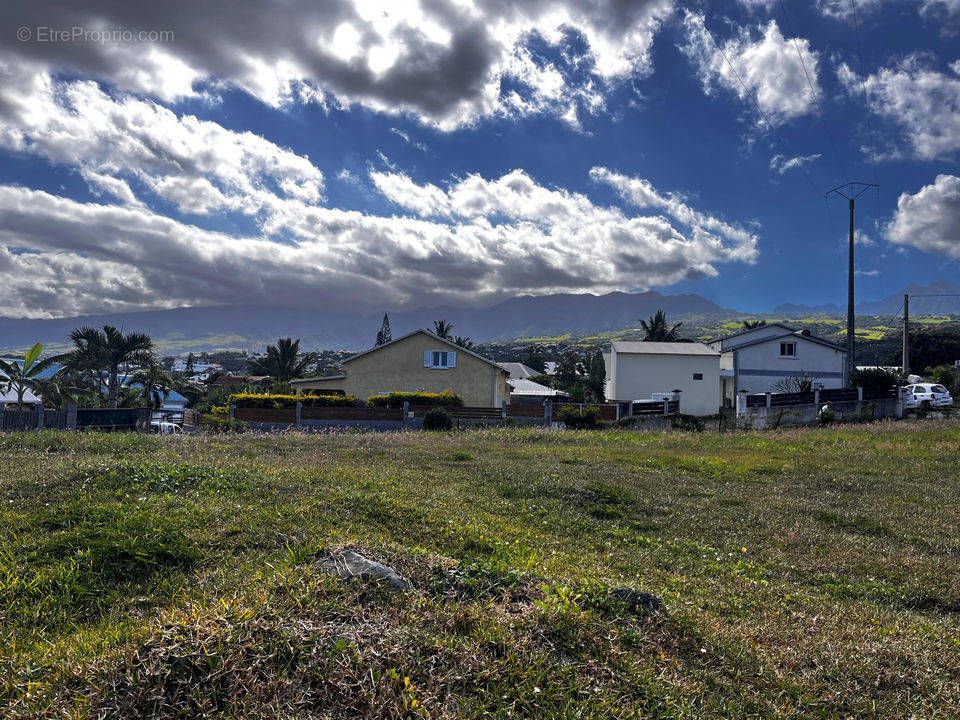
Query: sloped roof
(746, 331)
(521, 386)
(662, 348)
(431, 335)
(518, 370)
(795, 335)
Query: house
(644, 370)
(528, 392)
(172, 404)
(417, 362)
(8, 398)
(519, 371)
(760, 359)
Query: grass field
(808, 573)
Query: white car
(926, 396)
(165, 428)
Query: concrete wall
(759, 367)
(638, 376)
(399, 366)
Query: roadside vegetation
(806, 573)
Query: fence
(74, 418)
(817, 397)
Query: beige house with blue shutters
(418, 362)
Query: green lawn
(807, 573)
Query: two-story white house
(756, 360)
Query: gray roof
(795, 335)
(750, 330)
(520, 386)
(518, 370)
(662, 348)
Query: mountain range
(202, 328)
(251, 327)
(938, 298)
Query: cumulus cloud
(488, 239)
(199, 166)
(442, 61)
(930, 218)
(781, 163)
(767, 63)
(923, 101)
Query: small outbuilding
(646, 370)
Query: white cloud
(641, 193)
(767, 63)
(494, 239)
(199, 166)
(781, 163)
(929, 219)
(924, 102)
(844, 9)
(442, 61)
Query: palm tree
(283, 361)
(154, 382)
(658, 330)
(753, 324)
(442, 329)
(106, 350)
(26, 376)
(464, 342)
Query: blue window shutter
(427, 358)
(451, 359)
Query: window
(788, 349)
(440, 359)
(698, 376)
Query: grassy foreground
(807, 573)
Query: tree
(802, 383)
(535, 358)
(596, 380)
(569, 370)
(464, 342)
(753, 324)
(26, 376)
(657, 329)
(442, 329)
(155, 383)
(384, 335)
(283, 361)
(106, 350)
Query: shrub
(397, 399)
(573, 419)
(216, 424)
(827, 415)
(874, 380)
(437, 419)
(276, 402)
(220, 409)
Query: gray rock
(642, 603)
(349, 564)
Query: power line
(813, 92)
(747, 92)
(863, 84)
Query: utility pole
(851, 191)
(906, 336)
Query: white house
(757, 360)
(638, 370)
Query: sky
(364, 155)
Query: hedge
(397, 399)
(276, 402)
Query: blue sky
(370, 157)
